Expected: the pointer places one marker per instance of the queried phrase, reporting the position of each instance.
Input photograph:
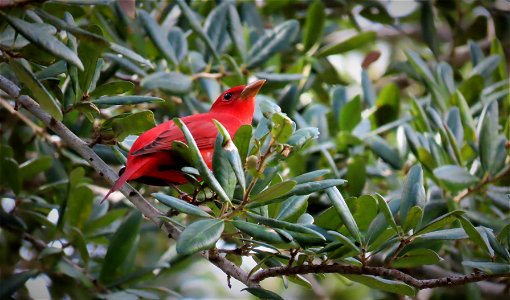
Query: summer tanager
(151, 160)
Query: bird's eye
(227, 96)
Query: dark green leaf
(285, 225)
(415, 258)
(271, 42)
(303, 135)
(263, 293)
(475, 235)
(386, 285)
(356, 175)
(385, 209)
(14, 282)
(113, 88)
(343, 211)
(31, 168)
(121, 245)
(232, 155)
(307, 177)
(292, 208)
(44, 40)
(488, 267)
(172, 82)
(235, 31)
(413, 192)
(274, 191)
(350, 115)
(488, 136)
(125, 100)
(157, 36)
(181, 205)
(197, 27)
(260, 232)
(200, 235)
(39, 92)
(456, 176)
(315, 186)
(314, 25)
(133, 124)
(439, 222)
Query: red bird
(150, 159)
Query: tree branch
(149, 211)
(376, 271)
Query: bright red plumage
(151, 160)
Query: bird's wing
(203, 130)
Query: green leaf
(456, 176)
(14, 282)
(285, 225)
(415, 258)
(222, 168)
(242, 140)
(199, 162)
(292, 208)
(350, 115)
(413, 192)
(385, 209)
(274, 191)
(235, 31)
(157, 36)
(232, 155)
(271, 42)
(446, 234)
(104, 221)
(428, 27)
(315, 186)
(113, 88)
(413, 220)
(194, 23)
(31, 168)
(488, 267)
(382, 284)
(263, 293)
(44, 40)
(343, 211)
(39, 92)
(356, 175)
(368, 89)
(439, 222)
(388, 104)
(282, 127)
(178, 41)
(172, 82)
(133, 124)
(198, 236)
(181, 205)
(476, 236)
(488, 134)
(307, 177)
(357, 41)
(121, 245)
(260, 232)
(125, 100)
(314, 24)
(90, 54)
(303, 135)
(215, 26)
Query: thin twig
(481, 185)
(376, 271)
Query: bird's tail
(125, 176)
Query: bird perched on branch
(151, 159)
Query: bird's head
(239, 100)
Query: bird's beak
(252, 89)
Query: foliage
(405, 170)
